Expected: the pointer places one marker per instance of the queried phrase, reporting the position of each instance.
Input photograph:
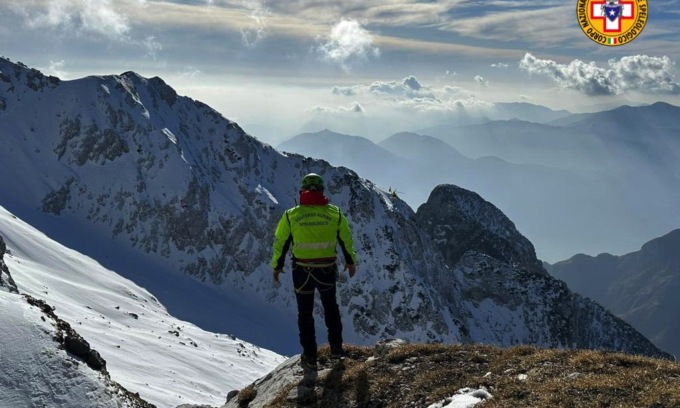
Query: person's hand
(352, 269)
(275, 275)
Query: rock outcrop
(6, 281)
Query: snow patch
(262, 190)
(464, 398)
(169, 135)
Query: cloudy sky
(274, 66)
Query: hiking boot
(308, 362)
(338, 352)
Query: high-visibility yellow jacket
(312, 232)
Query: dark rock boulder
(72, 342)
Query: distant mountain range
(377, 127)
(586, 183)
(640, 287)
(168, 193)
(594, 140)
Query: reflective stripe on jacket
(312, 232)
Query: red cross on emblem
(597, 11)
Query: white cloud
(499, 65)
(410, 95)
(354, 107)
(55, 68)
(348, 42)
(252, 36)
(452, 90)
(152, 47)
(409, 87)
(387, 107)
(81, 16)
(640, 73)
(525, 97)
(443, 106)
(92, 19)
(480, 80)
(190, 72)
(348, 90)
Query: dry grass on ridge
(418, 375)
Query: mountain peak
(409, 144)
(664, 246)
(11, 72)
(133, 75)
(452, 213)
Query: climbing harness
(311, 269)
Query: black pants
(306, 280)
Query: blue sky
(274, 65)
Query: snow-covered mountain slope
(152, 184)
(640, 287)
(44, 362)
(166, 360)
(36, 372)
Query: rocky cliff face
(460, 220)
(132, 163)
(506, 297)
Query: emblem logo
(612, 22)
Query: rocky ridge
(397, 374)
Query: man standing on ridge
(313, 230)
